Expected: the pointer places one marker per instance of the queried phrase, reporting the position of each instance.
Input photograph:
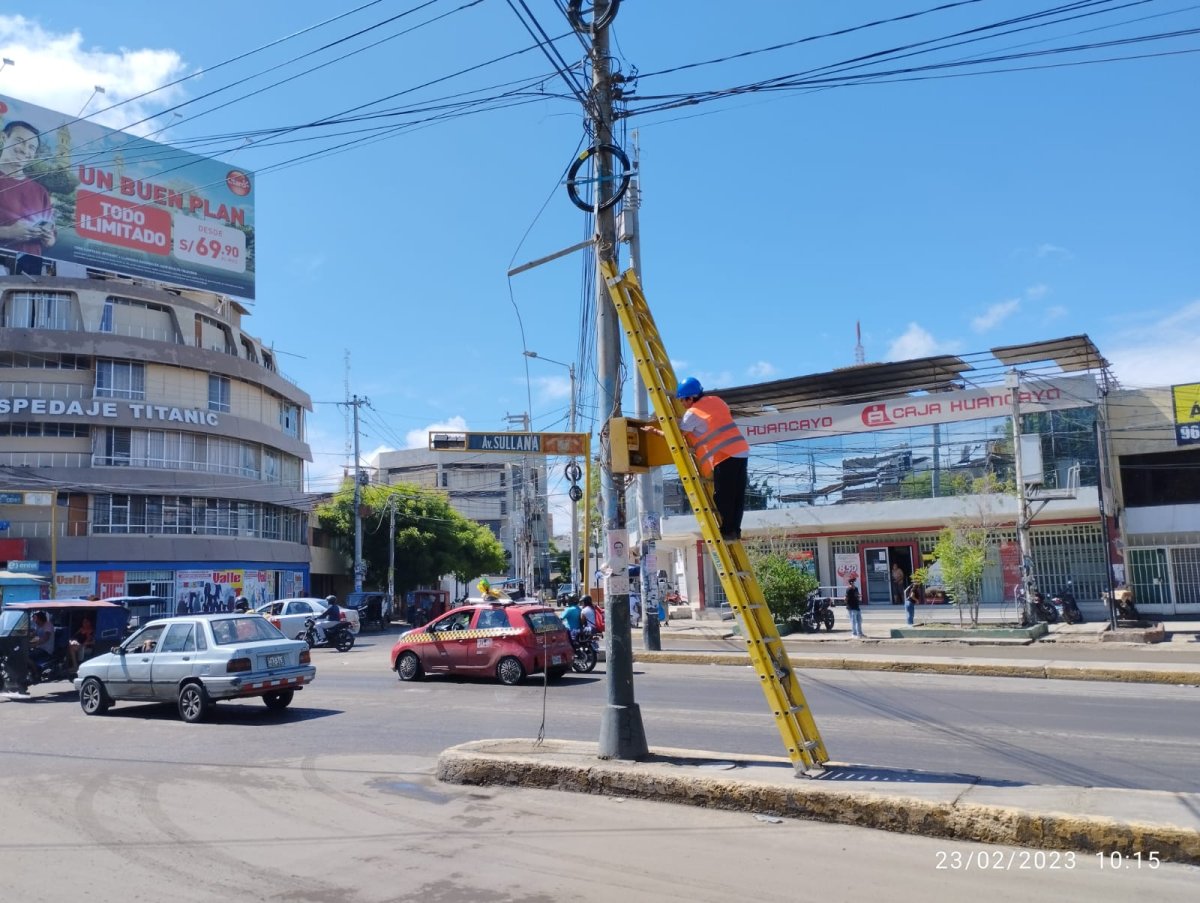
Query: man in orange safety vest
(721, 452)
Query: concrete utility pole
(392, 550)
(621, 733)
(359, 568)
(1027, 582)
(650, 492)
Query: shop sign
(1186, 400)
(25, 567)
(916, 411)
(105, 410)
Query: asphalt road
(334, 800)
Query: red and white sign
(924, 410)
(139, 227)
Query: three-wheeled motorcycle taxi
(95, 626)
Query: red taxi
(507, 639)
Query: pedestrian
(721, 452)
(852, 607)
(912, 595)
(898, 578)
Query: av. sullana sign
(925, 410)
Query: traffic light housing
(633, 449)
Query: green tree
(784, 586)
(432, 540)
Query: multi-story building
(148, 444)
(857, 471)
(505, 493)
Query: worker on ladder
(721, 452)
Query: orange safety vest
(720, 439)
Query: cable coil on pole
(602, 17)
(572, 184)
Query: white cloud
(1034, 292)
(916, 342)
(56, 71)
(1055, 312)
(552, 388)
(1049, 250)
(762, 370)
(995, 315)
(420, 438)
(1159, 354)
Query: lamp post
(574, 504)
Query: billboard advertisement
(77, 192)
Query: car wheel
(408, 667)
(279, 700)
(510, 671)
(193, 703)
(555, 673)
(345, 641)
(92, 698)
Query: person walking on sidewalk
(852, 607)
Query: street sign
(511, 443)
(4, 525)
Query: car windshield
(544, 621)
(244, 630)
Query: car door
(447, 650)
(487, 642)
(130, 678)
(174, 659)
(295, 613)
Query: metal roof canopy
(864, 382)
(1071, 354)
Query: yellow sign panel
(1187, 403)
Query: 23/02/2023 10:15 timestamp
(1040, 860)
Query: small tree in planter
(961, 551)
(784, 585)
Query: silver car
(195, 660)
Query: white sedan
(289, 615)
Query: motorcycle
(586, 649)
(1066, 606)
(1042, 609)
(337, 636)
(818, 611)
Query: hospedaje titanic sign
(92, 409)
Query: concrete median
(1188, 675)
(1084, 820)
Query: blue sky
(950, 214)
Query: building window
(445, 480)
(503, 508)
(289, 418)
(106, 318)
(120, 379)
(218, 393)
(38, 310)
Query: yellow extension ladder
(776, 675)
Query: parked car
(194, 661)
(289, 615)
(502, 639)
(374, 608)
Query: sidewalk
(1086, 820)
(1073, 652)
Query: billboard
(77, 192)
(1186, 401)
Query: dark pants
(729, 495)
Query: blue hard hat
(689, 388)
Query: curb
(947, 810)
(981, 669)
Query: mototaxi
(108, 621)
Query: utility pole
(392, 550)
(1027, 582)
(524, 551)
(621, 733)
(359, 568)
(649, 485)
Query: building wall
(105, 402)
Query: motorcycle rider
(242, 605)
(43, 639)
(572, 617)
(329, 617)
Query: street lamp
(574, 503)
(96, 89)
